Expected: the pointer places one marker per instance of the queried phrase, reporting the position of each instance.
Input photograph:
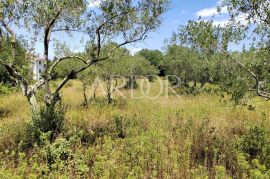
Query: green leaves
(201, 35)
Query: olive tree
(154, 57)
(135, 67)
(122, 70)
(186, 64)
(256, 15)
(211, 40)
(122, 21)
(109, 71)
(127, 21)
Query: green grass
(168, 137)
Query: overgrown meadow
(191, 136)
(79, 99)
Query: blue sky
(180, 12)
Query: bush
(6, 89)
(255, 145)
(49, 120)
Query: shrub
(6, 89)
(255, 144)
(49, 120)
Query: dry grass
(14, 108)
(168, 136)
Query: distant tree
(110, 70)
(212, 41)
(154, 57)
(136, 67)
(123, 66)
(186, 64)
(87, 78)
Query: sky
(179, 13)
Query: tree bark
(85, 101)
(95, 90)
(131, 83)
(35, 107)
(109, 93)
(109, 97)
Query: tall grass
(169, 137)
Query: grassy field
(202, 136)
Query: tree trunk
(85, 103)
(35, 108)
(203, 83)
(109, 97)
(131, 83)
(109, 93)
(95, 90)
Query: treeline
(188, 67)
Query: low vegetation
(139, 138)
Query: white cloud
(94, 3)
(222, 18)
(241, 19)
(209, 12)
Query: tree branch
(71, 75)
(124, 43)
(37, 85)
(10, 31)
(239, 63)
(67, 29)
(18, 78)
(47, 34)
(258, 86)
(102, 25)
(13, 40)
(62, 59)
